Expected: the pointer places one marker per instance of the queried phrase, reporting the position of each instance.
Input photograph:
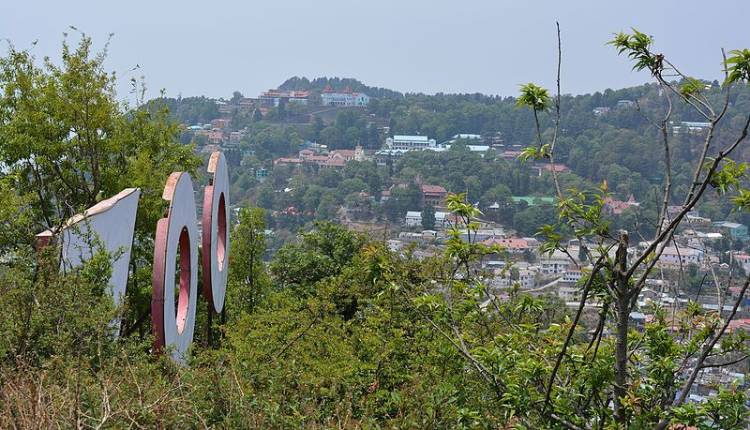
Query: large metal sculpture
(216, 232)
(176, 238)
(110, 223)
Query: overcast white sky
(211, 48)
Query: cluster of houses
(323, 158)
(432, 195)
(276, 97)
(217, 132)
(398, 145)
(621, 104)
(328, 97)
(700, 243)
(681, 127)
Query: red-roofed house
(510, 155)
(433, 195)
(305, 153)
(743, 259)
(333, 162)
(345, 154)
(616, 207)
(215, 136)
(513, 245)
(317, 159)
(548, 167)
(283, 161)
(276, 97)
(220, 123)
(739, 324)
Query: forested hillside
(607, 136)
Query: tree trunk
(621, 356)
(622, 300)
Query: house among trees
(539, 168)
(433, 195)
(410, 143)
(398, 145)
(626, 104)
(335, 158)
(414, 219)
(276, 97)
(514, 245)
(681, 256)
(533, 200)
(215, 137)
(220, 123)
(735, 230)
(600, 110)
(617, 207)
(347, 97)
(691, 127)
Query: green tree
(321, 253)
(328, 206)
(265, 198)
(68, 143)
(428, 217)
(248, 280)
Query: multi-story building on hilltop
(276, 97)
(410, 143)
(347, 97)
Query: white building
(526, 279)
(398, 145)
(276, 97)
(743, 260)
(441, 219)
(473, 142)
(414, 219)
(568, 292)
(464, 136)
(329, 97)
(554, 265)
(573, 275)
(410, 143)
(673, 256)
(692, 127)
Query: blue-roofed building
(735, 230)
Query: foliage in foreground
(381, 341)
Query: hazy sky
(489, 46)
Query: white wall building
(398, 145)
(414, 219)
(673, 256)
(410, 143)
(526, 279)
(554, 265)
(329, 97)
(568, 292)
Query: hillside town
(701, 245)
